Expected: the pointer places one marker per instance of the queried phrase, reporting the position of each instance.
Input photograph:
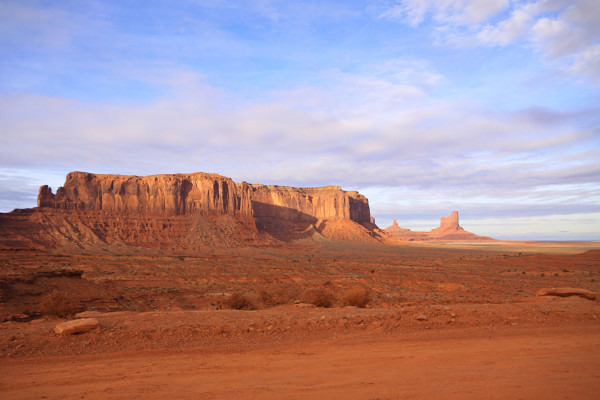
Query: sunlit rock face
(184, 211)
(202, 193)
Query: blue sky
(490, 107)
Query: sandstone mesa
(196, 210)
(184, 212)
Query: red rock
(565, 292)
(89, 314)
(174, 194)
(449, 229)
(76, 326)
(183, 212)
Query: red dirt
(484, 333)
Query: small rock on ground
(565, 292)
(76, 326)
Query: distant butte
(449, 229)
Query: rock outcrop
(176, 194)
(202, 193)
(329, 202)
(183, 211)
(449, 229)
(396, 229)
(76, 326)
(566, 292)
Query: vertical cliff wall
(176, 194)
(202, 193)
(184, 211)
(309, 204)
(450, 222)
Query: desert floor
(445, 321)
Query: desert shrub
(272, 298)
(59, 304)
(320, 297)
(239, 301)
(357, 297)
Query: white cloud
(508, 30)
(565, 33)
(446, 11)
(356, 131)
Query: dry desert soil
(446, 320)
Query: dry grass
(320, 297)
(357, 297)
(60, 304)
(275, 297)
(239, 301)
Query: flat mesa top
(212, 175)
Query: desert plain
(320, 304)
(445, 320)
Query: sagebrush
(320, 297)
(275, 297)
(357, 297)
(60, 304)
(239, 301)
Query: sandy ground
(525, 363)
(528, 350)
(445, 322)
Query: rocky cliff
(450, 222)
(175, 194)
(183, 211)
(202, 193)
(449, 226)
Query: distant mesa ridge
(449, 229)
(184, 211)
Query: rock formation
(183, 211)
(449, 229)
(202, 193)
(566, 292)
(395, 229)
(177, 194)
(76, 326)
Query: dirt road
(525, 363)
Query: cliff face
(183, 211)
(448, 226)
(201, 193)
(309, 204)
(176, 194)
(450, 222)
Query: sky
(488, 107)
